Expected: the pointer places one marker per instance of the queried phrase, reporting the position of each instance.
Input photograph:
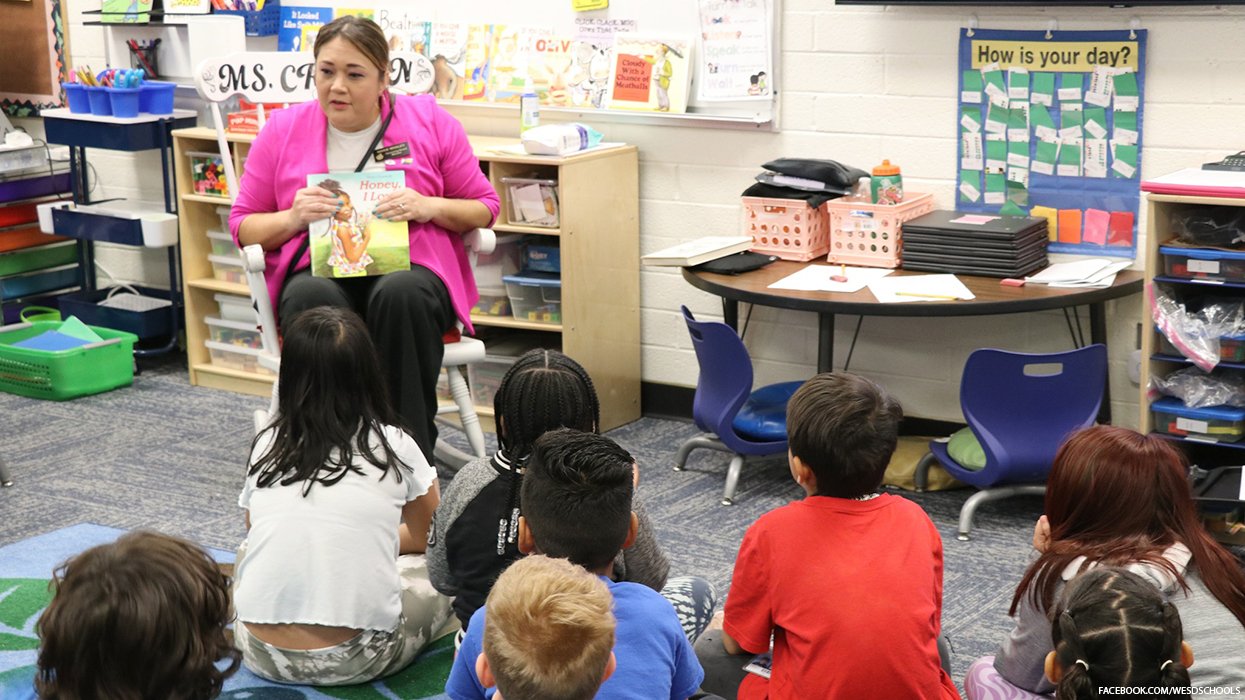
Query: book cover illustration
(294, 19)
(590, 73)
(510, 61)
(404, 33)
(353, 243)
(460, 59)
(650, 74)
(124, 11)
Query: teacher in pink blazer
(356, 124)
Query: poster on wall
(735, 50)
(35, 32)
(1049, 125)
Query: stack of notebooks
(974, 244)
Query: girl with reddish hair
(1116, 497)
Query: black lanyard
(367, 155)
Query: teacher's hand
(407, 205)
(312, 204)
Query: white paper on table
(1075, 271)
(816, 278)
(893, 290)
(1099, 280)
(530, 201)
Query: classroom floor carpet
(24, 569)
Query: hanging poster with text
(735, 50)
(1049, 125)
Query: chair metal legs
(713, 443)
(992, 494)
(920, 479)
(6, 479)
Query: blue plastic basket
(263, 22)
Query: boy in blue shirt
(576, 503)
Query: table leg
(730, 313)
(825, 342)
(1098, 334)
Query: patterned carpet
(167, 456)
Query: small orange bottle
(887, 184)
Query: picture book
(589, 81)
(650, 74)
(125, 11)
(551, 67)
(697, 251)
(353, 242)
(460, 59)
(404, 32)
(761, 664)
(510, 60)
(294, 19)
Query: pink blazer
(292, 146)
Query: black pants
(407, 312)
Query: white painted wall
(858, 85)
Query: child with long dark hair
(1112, 629)
(1119, 498)
(143, 617)
(331, 585)
(475, 530)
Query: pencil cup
(100, 103)
(156, 97)
(75, 95)
(124, 101)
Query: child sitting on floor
(577, 505)
(331, 585)
(550, 632)
(142, 618)
(847, 581)
(475, 530)
(1113, 629)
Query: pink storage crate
(862, 233)
(788, 228)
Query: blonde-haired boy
(549, 634)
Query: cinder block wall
(857, 85)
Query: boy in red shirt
(847, 581)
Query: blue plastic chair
(738, 420)
(1020, 407)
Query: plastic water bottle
(529, 111)
(887, 184)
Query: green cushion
(964, 449)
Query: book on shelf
(353, 242)
(698, 251)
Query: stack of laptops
(974, 244)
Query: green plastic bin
(64, 374)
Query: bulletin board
(1049, 125)
(734, 92)
(33, 35)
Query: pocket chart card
(1049, 125)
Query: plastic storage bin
(532, 201)
(239, 333)
(222, 243)
(64, 374)
(228, 268)
(863, 233)
(146, 317)
(156, 97)
(484, 377)
(535, 297)
(75, 96)
(100, 104)
(542, 257)
(1206, 264)
(504, 260)
(223, 214)
(263, 22)
(1214, 423)
(38, 257)
(207, 173)
(236, 357)
(788, 228)
(493, 302)
(236, 308)
(124, 101)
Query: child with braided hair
(474, 533)
(1112, 628)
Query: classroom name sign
(1056, 56)
(278, 76)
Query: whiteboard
(664, 18)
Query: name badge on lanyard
(397, 150)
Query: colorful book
(294, 19)
(650, 74)
(590, 73)
(124, 11)
(510, 61)
(460, 59)
(353, 242)
(551, 69)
